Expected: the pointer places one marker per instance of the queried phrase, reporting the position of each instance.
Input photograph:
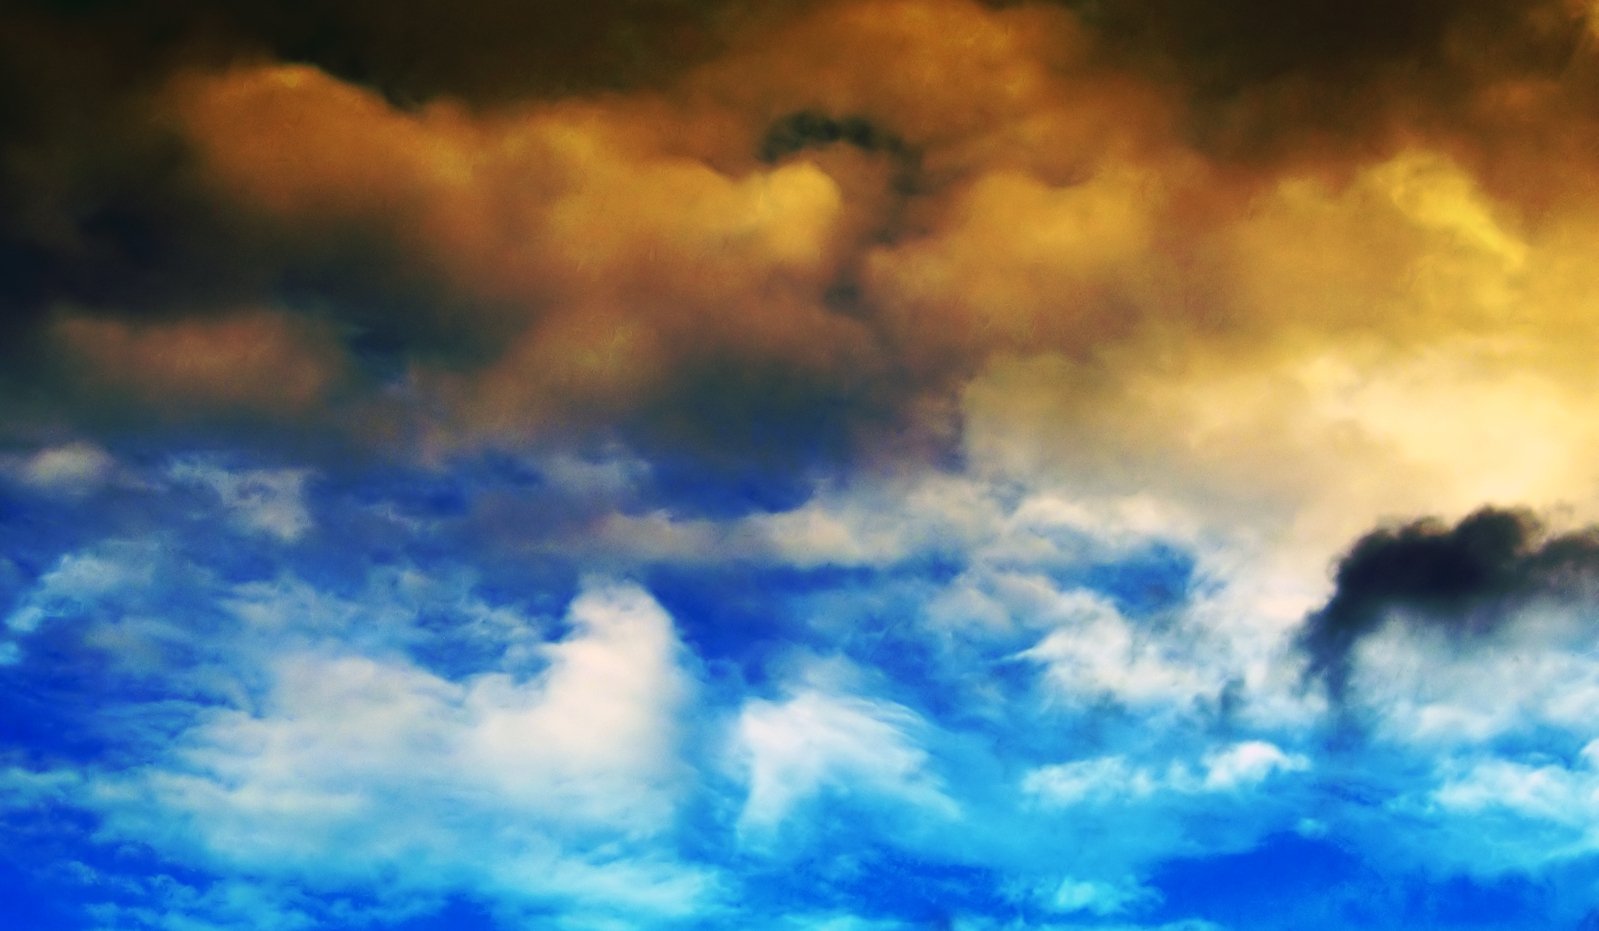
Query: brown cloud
(251, 362)
(609, 265)
(820, 225)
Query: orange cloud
(613, 255)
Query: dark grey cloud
(1466, 580)
(809, 129)
(1270, 80)
(410, 50)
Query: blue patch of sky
(744, 623)
(1291, 882)
(1153, 578)
(841, 868)
(456, 913)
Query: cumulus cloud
(1249, 763)
(1096, 653)
(353, 766)
(807, 234)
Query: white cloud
(1050, 528)
(600, 729)
(1487, 815)
(265, 501)
(1565, 795)
(1249, 763)
(83, 579)
(1100, 779)
(1431, 689)
(814, 741)
(1096, 652)
(932, 514)
(70, 469)
(1083, 780)
(557, 786)
(1100, 898)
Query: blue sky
(251, 695)
(867, 465)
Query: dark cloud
(409, 50)
(808, 129)
(770, 232)
(1274, 80)
(1466, 580)
(98, 202)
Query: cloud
(1466, 581)
(451, 266)
(1100, 899)
(247, 363)
(265, 501)
(808, 129)
(813, 741)
(1266, 82)
(1094, 653)
(353, 767)
(1494, 816)
(69, 469)
(1077, 340)
(1249, 763)
(1069, 783)
(1115, 779)
(1545, 793)
(81, 582)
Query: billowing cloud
(545, 784)
(1464, 580)
(830, 218)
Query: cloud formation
(798, 232)
(1465, 580)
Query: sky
(864, 465)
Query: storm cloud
(1464, 580)
(799, 235)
